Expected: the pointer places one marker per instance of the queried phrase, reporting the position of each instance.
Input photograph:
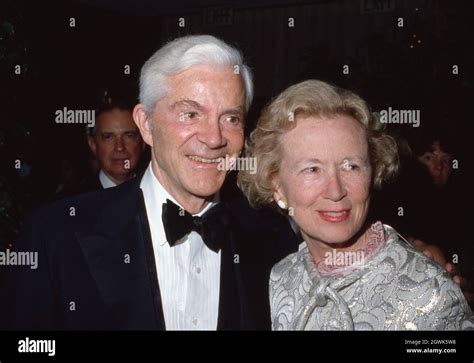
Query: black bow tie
(211, 226)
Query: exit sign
(218, 16)
(376, 6)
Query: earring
(282, 204)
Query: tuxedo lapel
(151, 265)
(120, 257)
(229, 307)
(233, 304)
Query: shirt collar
(105, 180)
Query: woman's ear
(278, 194)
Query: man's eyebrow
(197, 105)
(125, 131)
(238, 109)
(186, 102)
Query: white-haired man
(161, 251)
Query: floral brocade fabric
(398, 288)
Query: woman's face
(438, 164)
(325, 177)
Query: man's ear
(92, 144)
(143, 123)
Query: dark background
(407, 67)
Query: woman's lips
(334, 216)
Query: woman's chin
(336, 238)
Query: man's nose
(211, 134)
(119, 144)
(335, 189)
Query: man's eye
(107, 136)
(233, 119)
(131, 135)
(187, 116)
(311, 170)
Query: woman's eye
(346, 165)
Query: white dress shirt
(105, 180)
(188, 272)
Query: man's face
(117, 144)
(199, 121)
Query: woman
(319, 154)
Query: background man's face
(117, 144)
(199, 121)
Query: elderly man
(160, 251)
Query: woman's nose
(438, 165)
(335, 190)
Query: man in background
(116, 147)
(116, 143)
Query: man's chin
(208, 183)
(120, 175)
(205, 191)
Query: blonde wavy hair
(311, 98)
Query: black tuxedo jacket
(96, 267)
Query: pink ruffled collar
(340, 264)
